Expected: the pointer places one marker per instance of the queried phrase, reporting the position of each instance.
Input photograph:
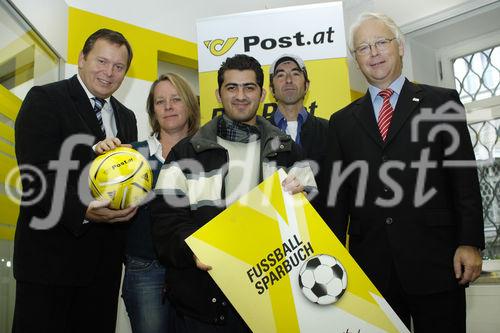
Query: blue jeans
(143, 295)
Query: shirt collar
(89, 94)
(396, 86)
(155, 147)
(301, 117)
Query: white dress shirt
(108, 117)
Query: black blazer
(69, 252)
(419, 239)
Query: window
(485, 139)
(477, 75)
(477, 79)
(25, 60)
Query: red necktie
(386, 112)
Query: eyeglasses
(381, 44)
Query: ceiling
(473, 24)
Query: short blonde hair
(188, 97)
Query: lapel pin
(416, 99)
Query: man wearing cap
(289, 84)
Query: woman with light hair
(174, 114)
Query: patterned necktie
(386, 112)
(98, 104)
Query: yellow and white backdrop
(313, 32)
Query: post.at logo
(219, 47)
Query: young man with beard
(202, 175)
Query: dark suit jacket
(419, 239)
(70, 252)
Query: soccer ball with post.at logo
(323, 279)
(122, 176)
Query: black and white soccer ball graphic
(323, 279)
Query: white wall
(178, 17)
(423, 63)
(189, 74)
(483, 301)
(404, 12)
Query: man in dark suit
(67, 251)
(410, 194)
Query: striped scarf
(235, 131)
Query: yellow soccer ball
(122, 176)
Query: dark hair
(112, 37)
(188, 97)
(241, 62)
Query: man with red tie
(401, 181)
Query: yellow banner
(313, 32)
(329, 90)
(284, 270)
